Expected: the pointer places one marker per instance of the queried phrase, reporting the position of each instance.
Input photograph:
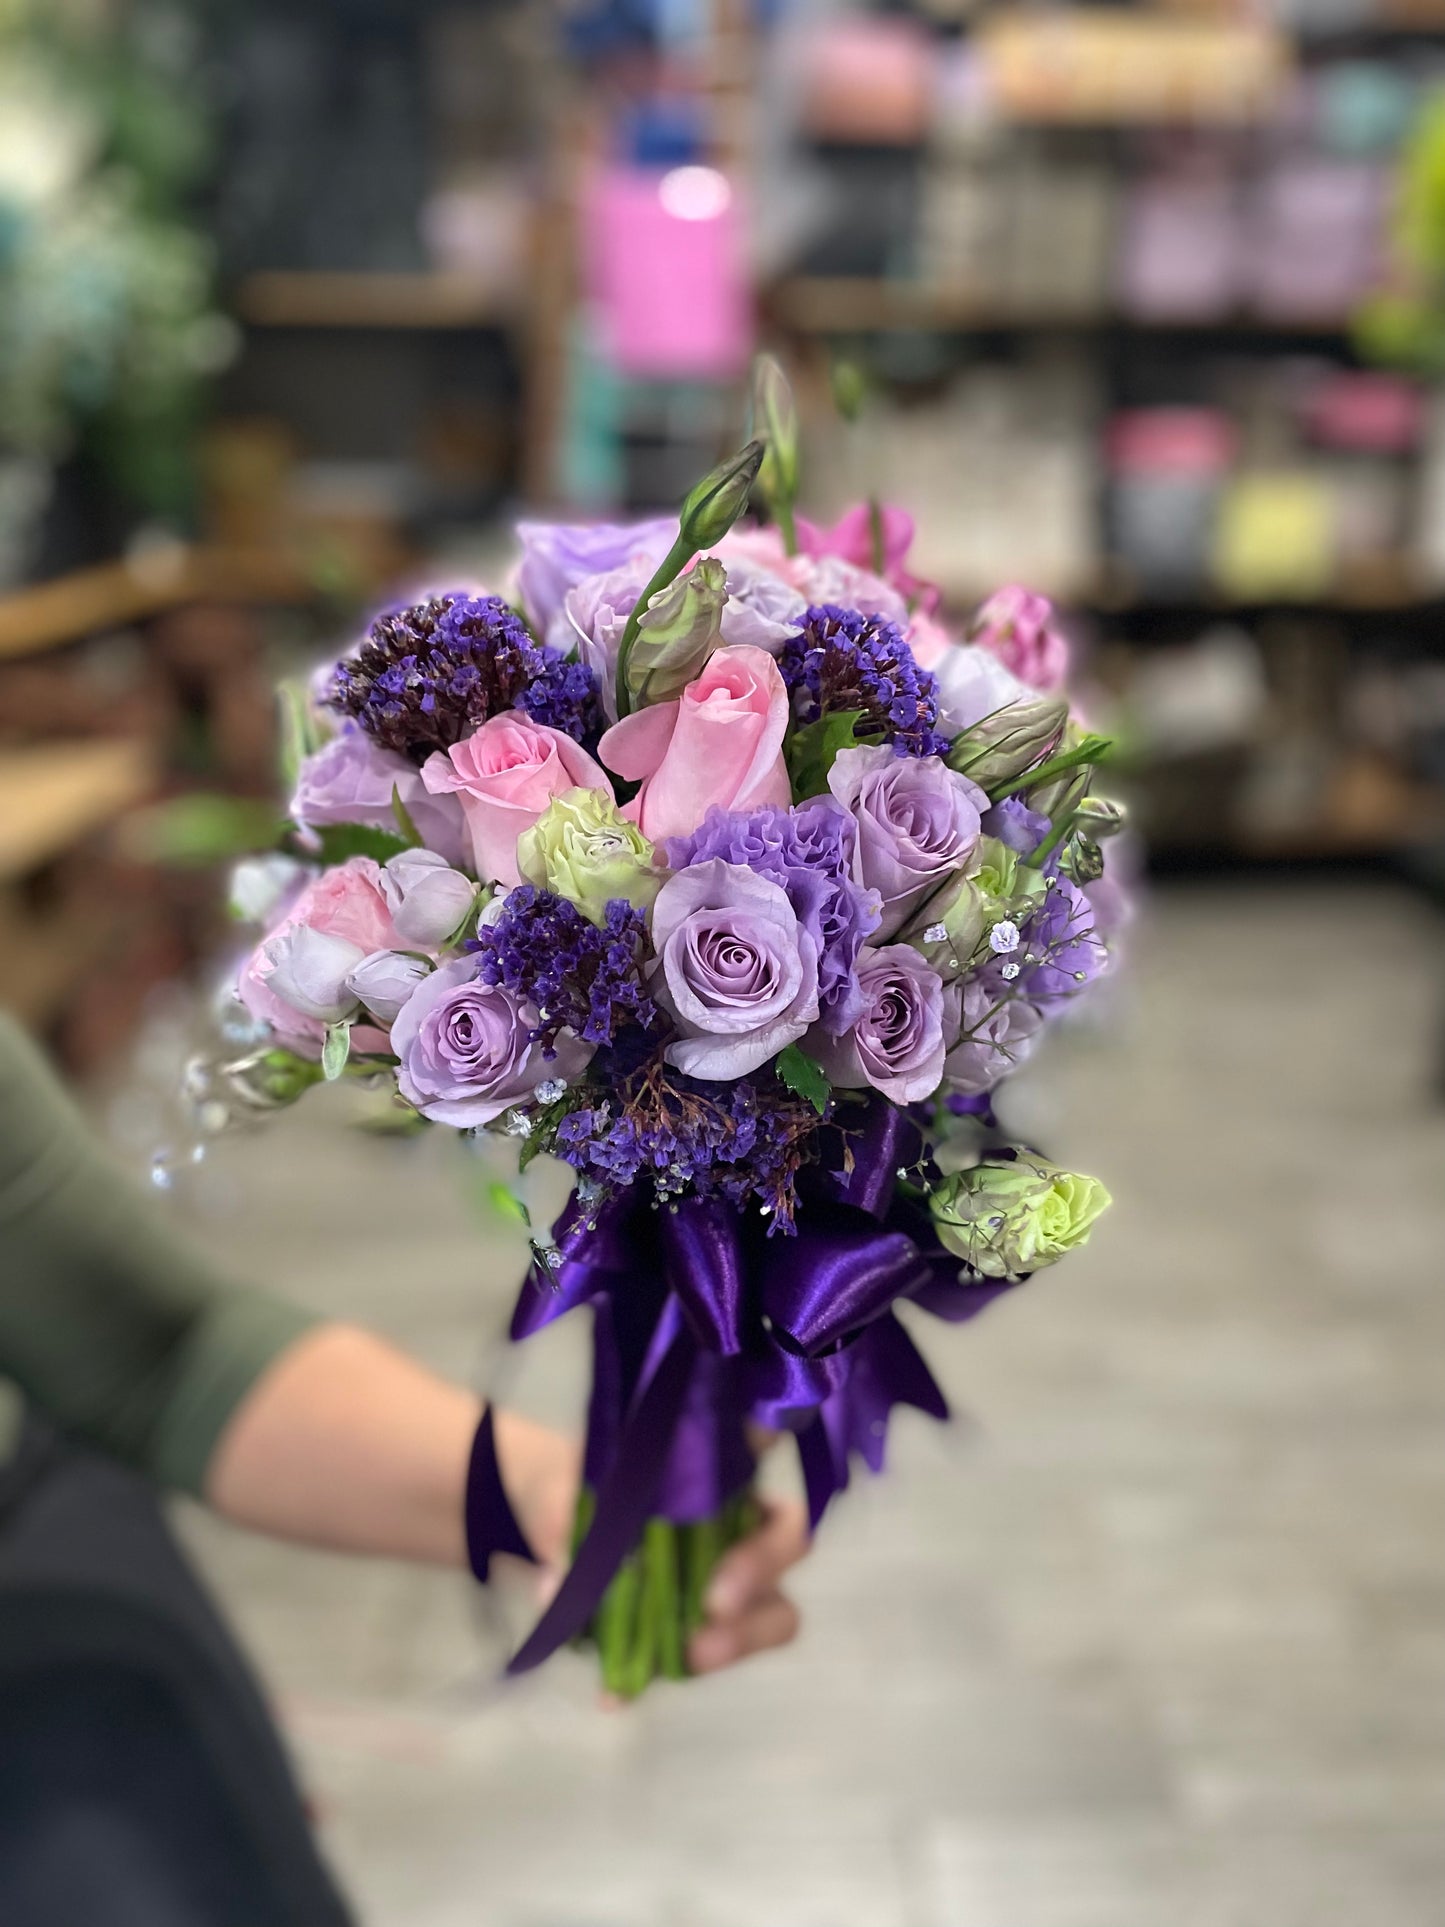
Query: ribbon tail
(821, 1476)
(491, 1524)
(624, 1503)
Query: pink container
(665, 272)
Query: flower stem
(671, 566)
(787, 526)
(662, 1553)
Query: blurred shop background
(1147, 304)
(1142, 306)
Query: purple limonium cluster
(842, 659)
(580, 976)
(429, 674)
(811, 852)
(744, 1140)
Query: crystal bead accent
(935, 933)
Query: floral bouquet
(705, 861)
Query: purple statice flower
(1015, 825)
(428, 675)
(580, 976)
(810, 850)
(842, 659)
(742, 1140)
(1068, 951)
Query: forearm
(347, 1443)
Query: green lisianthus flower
(1005, 1219)
(581, 849)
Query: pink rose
(720, 742)
(345, 905)
(1018, 626)
(505, 774)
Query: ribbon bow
(702, 1324)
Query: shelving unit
(424, 301)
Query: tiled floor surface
(1157, 1641)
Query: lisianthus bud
(1083, 859)
(850, 387)
(716, 502)
(1010, 741)
(309, 971)
(581, 849)
(676, 633)
(1008, 1218)
(385, 980)
(427, 898)
(774, 420)
(1102, 816)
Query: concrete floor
(1157, 1641)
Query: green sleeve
(109, 1323)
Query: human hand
(747, 1611)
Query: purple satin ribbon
(702, 1325)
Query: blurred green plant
(1404, 322)
(108, 329)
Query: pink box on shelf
(665, 272)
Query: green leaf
(201, 829)
(811, 750)
(505, 1202)
(805, 1077)
(336, 1050)
(410, 833)
(342, 840)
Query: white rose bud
(427, 898)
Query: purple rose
(897, 1044)
(1015, 825)
(592, 619)
(1062, 936)
(972, 684)
(350, 780)
(466, 1048)
(556, 556)
(761, 608)
(918, 824)
(735, 970)
(995, 1033)
(426, 897)
(385, 980)
(810, 851)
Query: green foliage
(805, 1077)
(342, 840)
(812, 750)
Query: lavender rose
(556, 556)
(995, 1034)
(974, 683)
(761, 608)
(736, 971)
(897, 1044)
(809, 850)
(351, 779)
(918, 824)
(466, 1048)
(426, 897)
